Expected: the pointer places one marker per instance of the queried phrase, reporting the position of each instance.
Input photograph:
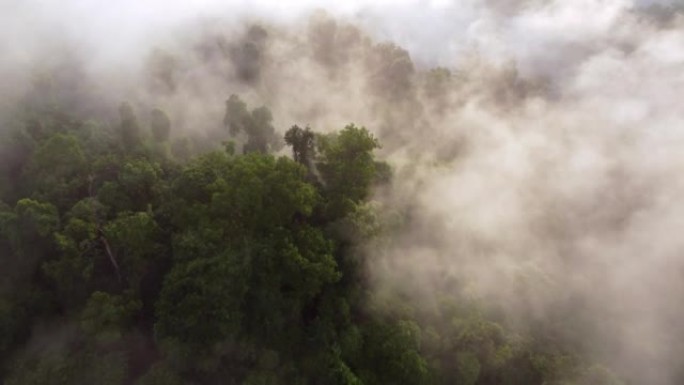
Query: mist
(536, 145)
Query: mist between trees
(200, 209)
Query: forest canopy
(196, 207)
(152, 265)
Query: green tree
(79, 246)
(200, 303)
(134, 239)
(57, 171)
(255, 207)
(30, 231)
(107, 316)
(302, 143)
(347, 167)
(392, 354)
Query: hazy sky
(126, 23)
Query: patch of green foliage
(128, 259)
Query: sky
(409, 23)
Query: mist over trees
(214, 217)
(230, 267)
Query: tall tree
(160, 124)
(129, 127)
(302, 143)
(348, 168)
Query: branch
(110, 254)
(103, 239)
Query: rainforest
(299, 199)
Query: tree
(160, 124)
(57, 170)
(107, 316)
(392, 355)
(134, 240)
(72, 270)
(257, 125)
(347, 167)
(237, 117)
(260, 132)
(200, 303)
(162, 69)
(31, 235)
(129, 127)
(247, 55)
(392, 70)
(10, 318)
(137, 183)
(302, 143)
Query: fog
(542, 171)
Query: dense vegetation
(134, 256)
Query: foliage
(257, 125)
(130, 259)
